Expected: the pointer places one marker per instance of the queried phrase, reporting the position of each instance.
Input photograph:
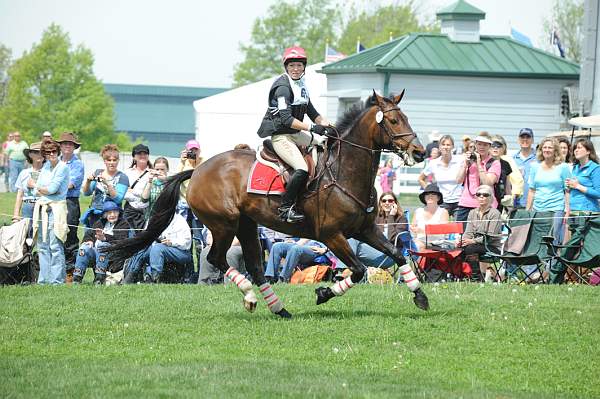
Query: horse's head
(395, 132)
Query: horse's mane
(347, 121)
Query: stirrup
(289, 215)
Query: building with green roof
(163, 116)
(458, 81)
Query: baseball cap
(192, 144)
(526, 132)
(140, 148)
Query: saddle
(268, 154)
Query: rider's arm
(284, 117)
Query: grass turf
(492, 341)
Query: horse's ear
(398, 98)
(375, 99)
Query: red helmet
(294, 53)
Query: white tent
(233, 117)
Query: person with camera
(154, 185)
(288, 103)
(478, 168)
(104, 184)
(26, 181)
(190, 158)
(138, 174)
(111, 227)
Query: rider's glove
(318, 129)
(319, 140)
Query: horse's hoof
(284, 314)
(421, 300)
(250, 306)
(323, 294)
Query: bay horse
(342, 205)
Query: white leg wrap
(242, 282)
(341, 287)
(410, 279)
(273, 302)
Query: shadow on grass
(324, 314)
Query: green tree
(567, 18)
(307, 23)
(374, 25)
(53, 87)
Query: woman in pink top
(478, 168)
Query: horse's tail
(161, 216)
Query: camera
(191, 155)
(473, 157)
(99, 179)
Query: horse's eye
(393, 121)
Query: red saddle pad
(265, 180)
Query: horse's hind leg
(248, 236)
(340, 247)
(222, 239)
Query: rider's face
(295, 69)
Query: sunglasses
(50, 152)
(389, 201)
(485, 195)
(497, 144)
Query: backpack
(502, 183)
(311, 275)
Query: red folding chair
(440, 260)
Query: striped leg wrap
(272, 300)
(410, 279)
(242, 282)
(341, 287)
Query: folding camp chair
(440, 260)
(531, 262)
(17, 263)
(580, 252)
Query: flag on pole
(359, 47)
(520, 37)
(556, 41)
(332, 55)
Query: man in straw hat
(68, 143)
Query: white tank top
(421, 222)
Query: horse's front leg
(375, 238)
(340, 247)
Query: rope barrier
(378, 224)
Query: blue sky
(193, 42)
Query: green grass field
(492, 341)
(499, 341)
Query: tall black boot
(286, 210)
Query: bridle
(368, 207)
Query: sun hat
(33, 147)
(432, 189)
(69, 137)
(110, 206)
(192, 144)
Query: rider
(288, 103)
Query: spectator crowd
(476, 183)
